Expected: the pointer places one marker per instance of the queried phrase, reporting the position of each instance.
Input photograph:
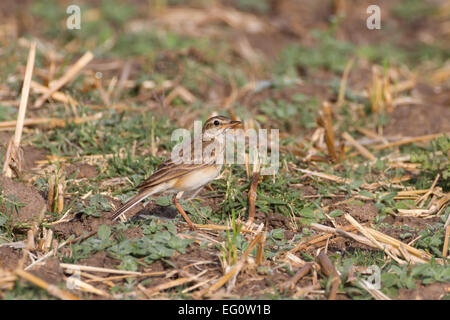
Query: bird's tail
(132, 202)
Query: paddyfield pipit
(183, 174)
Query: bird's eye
(216, 122)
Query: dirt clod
(50, 272)
(32, 201)
(10, 257)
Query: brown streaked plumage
(179, 177)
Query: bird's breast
(197, 178)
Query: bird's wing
(168, 171)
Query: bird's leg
(181, 210)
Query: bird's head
(218, 125)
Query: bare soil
(32, 154)
(363, 214)
(434, 291)
(418, 120)
(82, 170)
(80, 225)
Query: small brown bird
(178, 176)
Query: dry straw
(13, 154)
(68, 76)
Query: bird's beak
(231, 124)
